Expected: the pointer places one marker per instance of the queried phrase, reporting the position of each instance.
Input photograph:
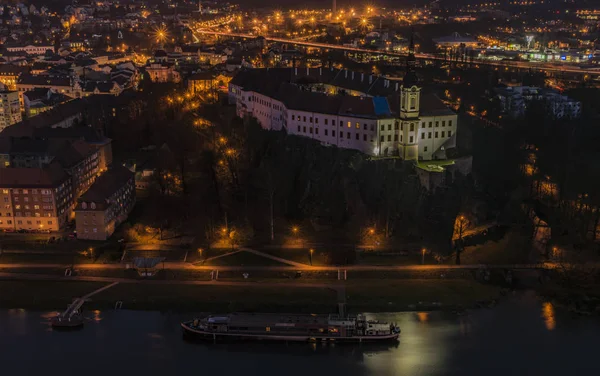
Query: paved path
(215, 257)
(279, 259)
(297, 266)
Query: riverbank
(274, 296)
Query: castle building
(373, 114)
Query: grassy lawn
(218, 298)
(514, 248)
(399, 294)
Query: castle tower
(410, 98)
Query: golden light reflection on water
(423, 316)
(548, 315)
(96, 317)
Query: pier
(74, 308)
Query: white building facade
(405, 123)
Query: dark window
(395, 137)
(389, 137)
(389, 127)
(316, 130)
(412, 127)
(348, 135)
(293, 117)
(365, 127)
(310, 119)
(425, 148)
(298, 128)
(326, 121)
(402, 127)
(364, 137)
(443, 123)
(332, 133)
(449, 133)
(411, 139)
(357, 136)
(304, 129)
(443, 134)
(381, 139)
(341, 123)
(310, 130)
(437, 124)
(436, 135)
(423, 136)
(429, 136)
(304, 117)
(382, 127)
(449, 123)
(430, 124)
(372, 127)
(396, 126)
(325, 132)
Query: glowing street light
(311, 251)
(423, 251)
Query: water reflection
(486, 342)
(548, 314)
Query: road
(504, 64)
(303, 267)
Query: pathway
(279, 259)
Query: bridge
(547, 67)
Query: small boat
(292, 328)
(72, 321)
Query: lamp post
(423, 251)
(310, 252)
(295, 231)
(200, 250)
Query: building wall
(91, 225)
(33, 209)
(10, 109)
(410, 137)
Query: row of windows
(411, 139)
(326, 133)
(412, 125)
(389, 138)
(26, 191)
(28, 214)
(326, 121)
(9, 222)
(36, 207)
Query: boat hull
(197, 334)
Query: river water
(521, 336)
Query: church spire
(410, 78)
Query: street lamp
(423, 251)
(311, 251)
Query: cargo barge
(293, 328)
